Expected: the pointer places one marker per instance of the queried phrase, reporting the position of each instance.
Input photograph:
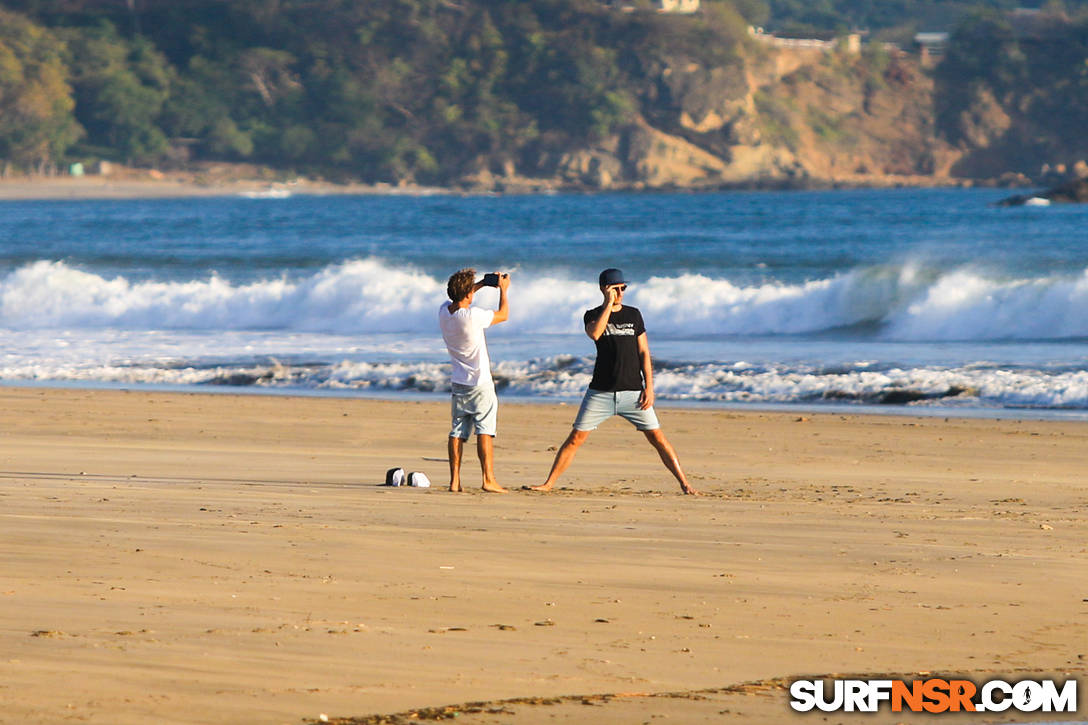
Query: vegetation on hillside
(891, 19)
(36, 104)
(432, 90)
(387, 89)
(1015, 95)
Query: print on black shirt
(617, 366)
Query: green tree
(983, 57)
(199, 108)
(120, 89)
(36, 121)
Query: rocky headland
(782, 117)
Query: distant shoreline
(105, 188)
(188, 185)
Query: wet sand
(180, 558)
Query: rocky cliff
(780, 117)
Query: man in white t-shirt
(474, 406)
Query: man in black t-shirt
(622, 384)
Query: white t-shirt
(463, 332)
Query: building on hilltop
(1029, 25)
(679, 7)
(676, 6)
(931, 47)
(850, 43)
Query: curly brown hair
(461, 283)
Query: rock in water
(1075, 192)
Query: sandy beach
(185, 558)
(221, 180)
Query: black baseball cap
(611, 276)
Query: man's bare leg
(668, 457)
(485, 447)
(454, 448)
(563, 457)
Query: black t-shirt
(617, 366)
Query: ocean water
(927, 300)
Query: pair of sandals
(397, 477)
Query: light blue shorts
(598, 406)
(474, 408)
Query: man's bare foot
(689, 491)
(494, 488)
(542, 487)
(455, 488)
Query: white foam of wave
(370, 296)
(567, 377)
(929, 385)
(266, 194)
(357, 296)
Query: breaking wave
(366, 296)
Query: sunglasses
(622, 287)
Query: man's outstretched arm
(503, 313)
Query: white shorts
(598, 406)
(473, 408)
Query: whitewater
(932, 300)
